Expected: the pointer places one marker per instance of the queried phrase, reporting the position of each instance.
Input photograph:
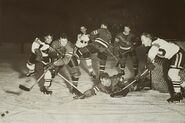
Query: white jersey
(163, 49)
(82, 40)
(44, 50)
(36, 45)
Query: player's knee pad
(173, 74)
(88, 61)
(30, 66)
(75, 72)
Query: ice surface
(35, 107)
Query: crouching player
(62, 54)
(176, 58)
(109, 85)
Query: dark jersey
(64, 53)
(102, 36)
(125, 41)
(117, 83)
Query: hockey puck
(3, 114)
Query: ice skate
(177, 97)
(46, 91)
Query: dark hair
(64, 35)
(148, 35)
(104, 75)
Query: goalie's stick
(23, 87)
(70, 84)
(135, 80)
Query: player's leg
(75, 72)
(173, 73)
(135, 62)
(31, 65)
(47, 82)
(122, 61)
(102, 61)
(86, 52)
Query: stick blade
(22, 87)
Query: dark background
(23, 20)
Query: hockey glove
(150, 66)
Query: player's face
(146, 41)
(103, 26)
(63, 41)
(106, 82)
(126, 29)
(83, 30)
(48, 39)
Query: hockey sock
(47, 83)
(176, 86)
(75, 80)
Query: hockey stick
(23, 87)
(108, 50)
(70, 84)
(135, 80)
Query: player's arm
(153, 52)
(65, 60)
(94, 34)
(151, 56)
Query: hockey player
(82, 41)
(38, 50)
(126, 43)
(101, 39)
(107, 84)
(62, 54)
(176, 57)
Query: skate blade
(22, 87)
(174, 102)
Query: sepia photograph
(92, 61)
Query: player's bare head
(127, 29)
(83, 29)
(104, 25)
(63, 39)
(48, 39)
(105, 79)
(146, 39)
